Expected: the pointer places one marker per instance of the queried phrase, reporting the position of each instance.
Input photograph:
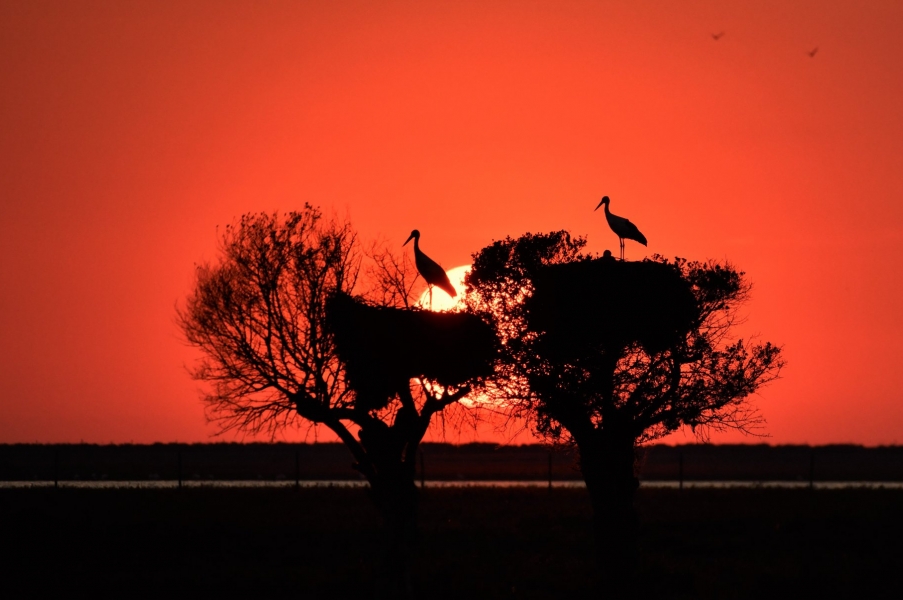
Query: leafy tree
(260, 315)
(607, 355)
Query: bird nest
(606, 305)
(383, 348)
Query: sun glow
(444, 302)
(441, 300)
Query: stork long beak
(408, 240)
(600, 204)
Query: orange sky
(130, 130)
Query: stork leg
(622, 248)
(430, 288)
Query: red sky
(130, 130)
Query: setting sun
(441, 300)
(132, 131)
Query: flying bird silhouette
(622, 227)
(430, 269)
(812, 52)
(717, 36)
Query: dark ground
(476, 543)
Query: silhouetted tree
(259, 313)
(608, 354)
(383, 349)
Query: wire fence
(306, 464)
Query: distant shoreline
(443, 462)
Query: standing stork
(622, 227)
(430, 269)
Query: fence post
(56, 467)
(179, 454)
(680, 470)
(550, 470)
(812, 469)
(297, 469)
(422, 473)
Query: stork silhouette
(430, 269)
(622, 227)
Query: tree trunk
(607, 462)
(395, 495)
(387, 457)
(396, 500)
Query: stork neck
(607, 212)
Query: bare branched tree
(258, 312)
(267, 315)
(392, 277)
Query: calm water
(343, 483)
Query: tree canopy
(258, 312)
(594, 342)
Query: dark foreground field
(477, 543)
